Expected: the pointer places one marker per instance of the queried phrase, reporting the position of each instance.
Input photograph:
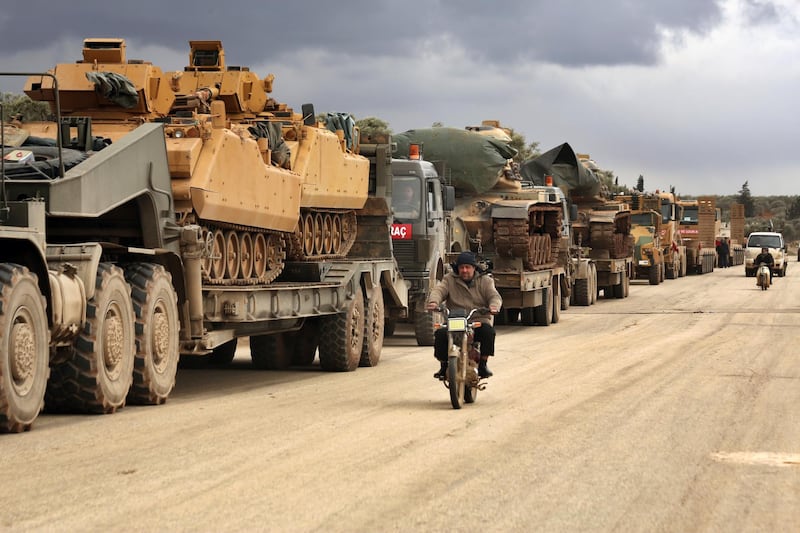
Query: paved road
(675, 409)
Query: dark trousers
(484, 335)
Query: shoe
(483, 370)
(442, 373)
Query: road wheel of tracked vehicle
(232, 256)
(556, 300)
(319, 234)
(341, 336)
(157, 353)
(260, 256)
(24, 348)
(308, 234)
(336, 245)
(218, 256)
(223, 354)
(327, 234)
(543, 314)
(246, 251)
(272, 352)
(373, 328)
(99, 375)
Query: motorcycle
(462, 377)
(763, 276)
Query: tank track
(605, 236)
(269, 253)
(316, 240)
(536, 240)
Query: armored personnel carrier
(262, 181)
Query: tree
(23, 107)
(640, 183)
(524, 149)
(746, 199)
(373, 126)
(794, 208)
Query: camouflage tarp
(475, 162)
(568, 172)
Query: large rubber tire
(528, 316)
(24, 348)
(45, 162)
(155, 304)
(306, 343)
(341, 337)
(373, 328)
(543, 314)
(389, 325)
(654, 275)
(99, 375)
(223, 354)
(456, 375)
(583, 294)
(272, 352)
(556, 316)
(423, 328)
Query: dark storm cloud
(577, 33)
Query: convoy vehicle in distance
(770, 240)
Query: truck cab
(421, 204)
(770, 240)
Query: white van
(765, 239)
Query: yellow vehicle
(156, 224)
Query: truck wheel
(373, 328)
(556, 316)
(544, 313)
(654, 275)
(583, 288)
(341, 336)
(306, 343)
(24, 348)
(528, 316)
(423, 328)
(156, 307)
(272, 352)
(389, 325)
(99, 375)
(223, 354)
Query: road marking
(758, 458)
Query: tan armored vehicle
(261, 180)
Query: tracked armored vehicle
(262, 181)
(126, 244)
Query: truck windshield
(764, 241)
(643, 219)
(689, 215)
(406, 198)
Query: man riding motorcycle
(766, 258)
(467, 288)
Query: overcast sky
(699, 94)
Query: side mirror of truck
(448, 197)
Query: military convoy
(186, 210)
(161, 217)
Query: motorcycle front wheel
(456, 374)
